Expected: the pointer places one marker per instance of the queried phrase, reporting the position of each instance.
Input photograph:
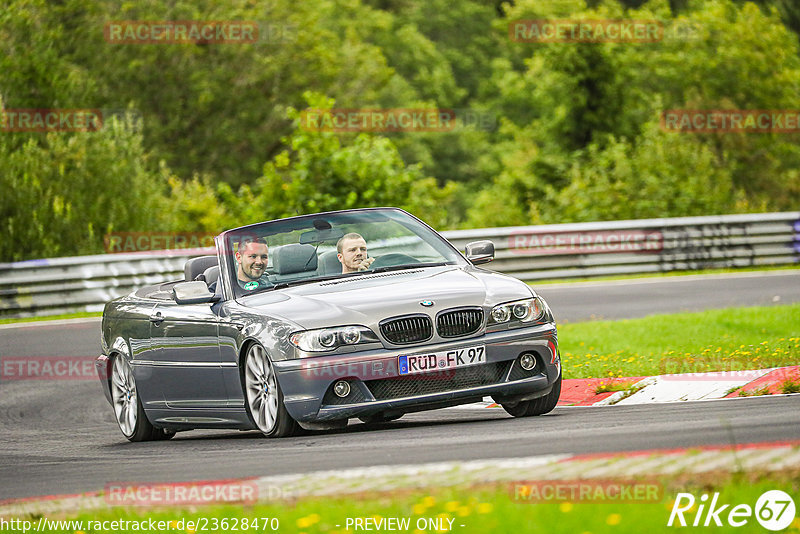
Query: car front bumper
(377, 387)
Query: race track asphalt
(625, 299)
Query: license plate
(409, 364)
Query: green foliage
(577, 134)
(788, 10)
(731, 339)
(62, 192)
(220, 109)
(582, 140)
(460, 33)
(194, 206)
(790, 385)
(662, 173)
(321, 172)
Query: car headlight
(524, 311)
(327, 339)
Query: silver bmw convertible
(313, 320)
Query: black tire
(128, 411)
(539, 406)
(263, 395)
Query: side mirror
(193, 293)
(480, 252)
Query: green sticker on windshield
(251, 285)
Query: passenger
(251, 255)
(352, 253)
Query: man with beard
(352, 253)
(251, 255)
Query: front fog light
(501, 314)
(527, 361)
(341, 388)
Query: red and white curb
(761, 456)
(669, 388)
(685, 387)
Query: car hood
(370, 298)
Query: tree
(581, 107)
(323, 171)
(218, 110)
(62, 192)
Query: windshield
(299, 250)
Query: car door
(186, 356)
(229, 331)
(134, 326)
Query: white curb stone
(689, 387)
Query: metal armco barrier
(85, 283)
(641, 246)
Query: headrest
(329, 263)
(211, 274)
(294, 258)
(196, 266)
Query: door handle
(157, 318)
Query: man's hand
(364, 265)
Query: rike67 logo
(774, 510)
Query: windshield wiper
(408, 266)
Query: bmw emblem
(427, 303)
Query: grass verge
(482, 509)
(613, 386)
(790, 386)
(715, 340)
(77, 315)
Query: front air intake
(460, 322)
(407, 329)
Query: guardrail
(641, 246)
(85, 283)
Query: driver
(352, 253)
(251, 255)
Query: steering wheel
(392, 259)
